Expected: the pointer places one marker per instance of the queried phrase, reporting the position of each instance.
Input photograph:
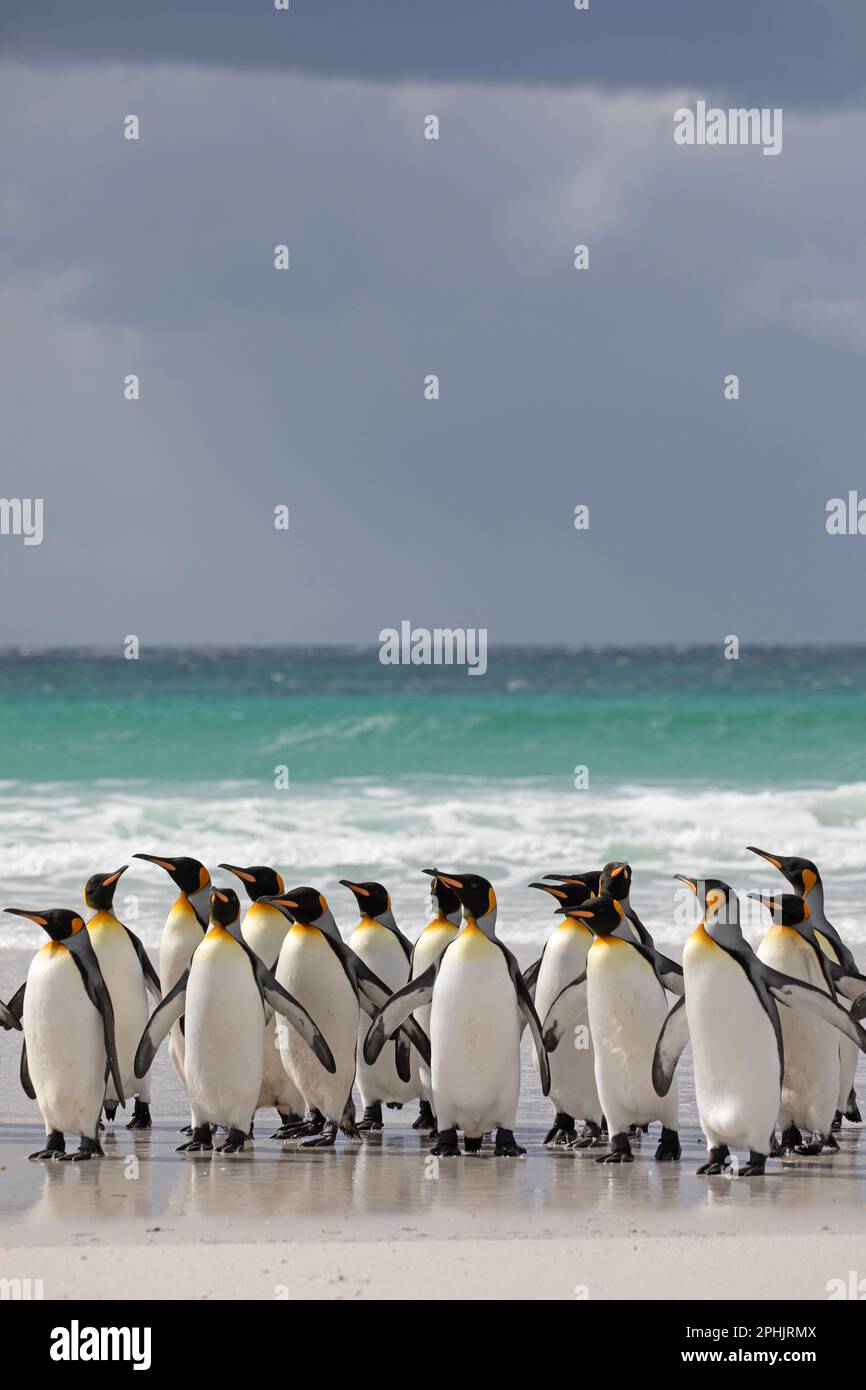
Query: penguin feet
(287, 1118)
(816, 1145)
(790, 1141)
(669, 1150)
(296, 1128)
(55, 1146)
(234, 1143)
(326, 1140)
(87, 1148)
(755, 1167)
(620, 1151)
(371, 1120)
(590, 1137)
(635, 1131)
(563, 1130)
(472, 1146)
(716, 1163)
(200, 1142)
(426, 1119)
(394, 1104)
(852, 1110)
(140, 1116)
(187, 1129)
(109, 1109)
(506, 1145)
(446, 1145)
(837, 1122)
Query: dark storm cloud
(764, 52)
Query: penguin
(264, 929)
(625, 999)
(810, 1079)
(730, 1011)
(477, 998)
(184, 928)
(69, 1040)
(572, 1069)
(587, 883)
(439, 932)
(221, 996)
(326, 975)
(379, 943)
(805, 880)
(128, 976)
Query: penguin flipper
(8, 1019)
(403, 1058)
(530, 974)
(568, 1006)
(527, 1009)
(373, 995)
(151, 979)
(797, 994)
(396, 1013)
(81, 950)
(671, 974)
(294, 1012)
(15, 1008)
(669, 1048)
(26, 1084)
(849, 983)
(159, 1025)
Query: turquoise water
(774, 717)
(689, 757)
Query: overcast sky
(411, 257)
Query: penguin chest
(572, 1065)
(627, 1007)
(181, 935)
(430, 945)
(311, 971)
(474, 1027)
(65, 1042)
(224, 1021)
(735, 1054)
(264, 931)
(564, 959)
(124, 981)
(379, 949)
(811, 1046)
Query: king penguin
(264, 929)
(572, 1069)
(69, 1043)
(625, 999)
(327, 976)
(805, 880)
(810, 1081)
(439, 933)
(730, 1011)
(379, 943)
(477, 998)
(221, 996)
(128, 975)
(184, 928)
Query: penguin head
(802, 874)
(786, 909)
(59, 922)
(445, 901)
(224, 907)
(616, 880)
(259, 880)
(305, 905)
(475, 893)
(372, 899)
(719, 903)
(601, 914)
(189, 875)
(570, 893)
(99, 889)
(588, 878)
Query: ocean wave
(55, 836)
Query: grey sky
(410, 257)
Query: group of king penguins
(275, 1009)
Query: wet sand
(385, 1220)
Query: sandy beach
(384, 1220)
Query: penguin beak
(773, 859)
(285, 906)
(689, 882)
(564, 878)
(768, 901)
(166, 864)
(112, 878)
(37, 917)
(232, 869)
(574, 912)
(549, 888)
(355, 888)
